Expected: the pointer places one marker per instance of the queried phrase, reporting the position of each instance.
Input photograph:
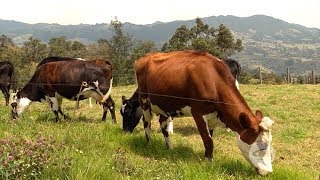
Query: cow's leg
(90, 102)
(164, 123)
(6, 94)
(111, 106)
(113, 114)
(205, 135)
(59, 108)
(54, 106)
(105, 111)
(170, 125)
(77, 105)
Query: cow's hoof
(209, 159)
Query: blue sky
(304, 12)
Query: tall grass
(100, 150)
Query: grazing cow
(127, 108)
(188, 83)
(6, 72)
(54, 59)
(74, 80)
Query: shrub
(25, 159)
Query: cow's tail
(106, 96)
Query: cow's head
(260, 152)
(19, 104)
(131, 113)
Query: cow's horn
(106, 96)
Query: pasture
(100, 150)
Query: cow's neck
(29, 92)
(231, 108)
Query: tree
(5, 41)
(142, 48)
(201, 37)
(34, 50)
(180, 40)
(78, 50)
(121, 44)
(100, 49)
(59, 46)
(225, 41)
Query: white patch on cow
(168, 142)
(23, 104)
(80, 59)
(259, 153)
(170, 125)
(123, 107)
(13, 96)
(237, 84)
(54, 105)
(147, 117)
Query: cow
(235, 69)
(197, 84)
(6, 73)
(127, 104)
(74, 80)
(54, 59)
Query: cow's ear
(244, 120)
(259, 114)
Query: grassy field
(100, 150)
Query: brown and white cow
(74, 80)
(188, 83)
(128, 105)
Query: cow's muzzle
(14, 112)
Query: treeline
(122, 49)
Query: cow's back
(182, 76)
(66, 77)
(54, 59)
(6, 71)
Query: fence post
(260, 75)
(288, 76)
(312, 78)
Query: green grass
(100, 150)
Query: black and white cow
(235, 69)
(74, 80)
(131, 106)
(6, 73)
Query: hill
(269, 42)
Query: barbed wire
(154, 94)
(185, 98)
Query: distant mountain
(269, 42)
